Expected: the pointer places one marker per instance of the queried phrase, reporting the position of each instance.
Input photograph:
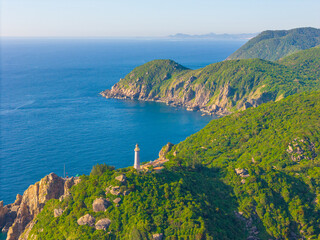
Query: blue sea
(52, 114)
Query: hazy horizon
(142, 18)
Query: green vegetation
(307, 62)
(263, 163)
(254, 173)
(273, 45)
(278, 145)
(99, 169)
(222, 87)
(179, 204)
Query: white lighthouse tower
(137, 157)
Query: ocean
(52, 114)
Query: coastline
(217, 111)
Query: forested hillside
(252, 174)
(273, 45)
(221, 88)
(269, 155)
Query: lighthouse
(137, 157)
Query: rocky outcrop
(69, 182)
(57, 212)
(103, 224)
(157, 236)
(164, 150)
(21, 213)
(121, 178)
(117, 202)
(100, 204)
(182, 94)
(113, 190)
(3, 213)
(250, 225)
(242, 172)
(300, 149)
(86, 220)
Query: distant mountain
(215, 36)
(273, 45)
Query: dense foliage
(278, 145)
(273, 45)
(307, 62)
(179, 204)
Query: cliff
(18, 216)
(219, 88)
(273, 45)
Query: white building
(137, 157)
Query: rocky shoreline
(119, 93)
(18, 217)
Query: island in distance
(215, 36)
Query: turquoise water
(51, 112)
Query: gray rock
(242, 172)
(100, 204)
(86, 220)
(103, 224)
(115, 190)
(117, 200)
(167, 148)
(57, 212)
(3, 214)
(157, 236)
(18, 200)
(6, 227)
(122, 178)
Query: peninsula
(221, 88)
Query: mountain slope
(177, 204)
(273, 45)
(270, 155)
(307, 62)
(250, 175)
(219, 88)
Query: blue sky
(120, 18)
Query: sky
(152, 18)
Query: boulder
(117, 200)
(164, 150)
(57, 212)
(100, 204)
(103, 224)
(115, 190)
(242, 172)
(69, 182)
(122, 178)
(86, 220)
(157, 236)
